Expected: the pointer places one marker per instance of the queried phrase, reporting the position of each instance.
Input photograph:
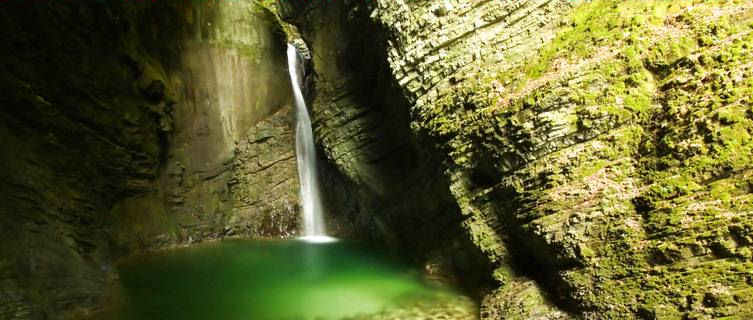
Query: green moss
(503, 274)
(598, 24)
(636, 168)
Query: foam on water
(318, 239)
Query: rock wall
(561, 159)
(231, 73)
(577, 161)
(381, 183)
(130, 126)
(598, 151)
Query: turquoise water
(254, 280)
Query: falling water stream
(313, 224)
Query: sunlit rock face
(439, 49)
(129, 126)
(231, 161)
(598, 151)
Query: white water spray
(313, 224)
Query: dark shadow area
(531, 256)
(85, 121)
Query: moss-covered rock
(600, 148)
(616, 158)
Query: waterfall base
(318, 239)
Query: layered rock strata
(598, 151)
(382, 183)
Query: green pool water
(281, 280)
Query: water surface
(280, 280)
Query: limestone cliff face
(129, 126)
(599, 152)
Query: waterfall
(313, 224)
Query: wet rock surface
(265, 184)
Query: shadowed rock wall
(129, 126)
